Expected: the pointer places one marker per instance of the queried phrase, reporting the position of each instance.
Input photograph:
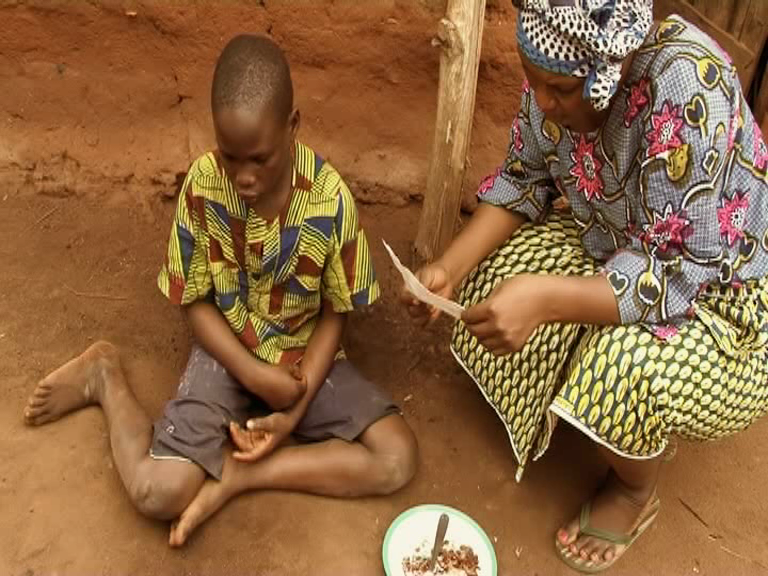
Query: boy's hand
(261, 436)
(280, 386)
(436, 279)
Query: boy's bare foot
(73, 386)
(213, 495)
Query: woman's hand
(506, 319)
(489, 227)
(437, 280)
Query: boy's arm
(262, 436)
(320, 355)
(348, 282)
(215, 335)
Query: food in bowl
(452, 561)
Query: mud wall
(112, 96)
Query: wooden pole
(744, 57)
(761, 105)
(460, 36)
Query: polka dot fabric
(620, 385)
(521, 386)
(584, 38)
(689, 269)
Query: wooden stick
(94, 295)
(46, 215)
(761, 104)
(692, 511)
(413, 365)
(460, 37)
(744, 57)
(742, 557)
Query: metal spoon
(442, 527)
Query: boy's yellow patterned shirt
(269, 279)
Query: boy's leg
(362, 446)
(382, 460)
(159, 489)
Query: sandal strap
(607, 536)
(614, 537)
(624, 492)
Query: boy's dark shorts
(195, 425)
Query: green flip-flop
(588, 566)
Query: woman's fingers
(483, 331)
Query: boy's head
(253, 115)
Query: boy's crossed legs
(165, 486)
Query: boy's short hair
(252, 71)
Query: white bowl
(415, 529)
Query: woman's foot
(75, 385)
(617, 510)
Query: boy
(266, 258)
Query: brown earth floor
(94, 130)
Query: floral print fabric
(670, 195)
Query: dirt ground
(101, 108)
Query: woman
(641, 310)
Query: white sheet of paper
(421, 292)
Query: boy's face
(255, 149)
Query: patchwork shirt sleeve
(185, 276)
(349, 280)
(523, 183)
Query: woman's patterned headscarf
(584, 38)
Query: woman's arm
(507, 318)
(489, 228)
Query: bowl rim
(434, 508)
